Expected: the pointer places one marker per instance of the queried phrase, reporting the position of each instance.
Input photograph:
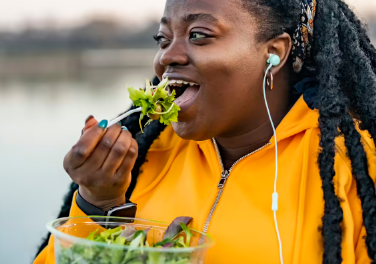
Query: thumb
(90, 122)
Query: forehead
(228, 10)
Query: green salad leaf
(128, 233)
(156, 103)
(188, 234)
(178, 236)
(175, 227)
(92, 235)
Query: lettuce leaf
(188, 234)
(136, 242)
(175, 227)
(128, 233)
(148, 99)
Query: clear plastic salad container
(72, 247)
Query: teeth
(180, 83)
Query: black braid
(359, 72)
(365, 185)
(346, 64)
(331, 108)
(362, 36)
(144, 141)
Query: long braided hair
(343, 62)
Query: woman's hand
(101, 163)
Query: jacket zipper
(222, 182)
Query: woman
(321, 97)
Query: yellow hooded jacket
(181, 178)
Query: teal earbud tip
(274, 60)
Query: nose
(174, 55)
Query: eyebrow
(193, 17)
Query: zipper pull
(223, 179)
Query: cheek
(158, 68)
(233, 62)
(231, 72)
(233, 81)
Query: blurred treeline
(94, 34)
(97, 43)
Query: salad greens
(177, 235)
(156, 103)
(175, 227)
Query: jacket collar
(298, 119)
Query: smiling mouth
(186, 93)
(180, 86)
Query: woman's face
(212, 45)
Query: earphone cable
(275, 194)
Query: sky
(14, 13)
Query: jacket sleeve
(47, 256)
(354, 249)
(360, 248)
(369, 146)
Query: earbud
(274, 60)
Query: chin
(191, 132)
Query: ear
(281, 46)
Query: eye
(160, 39)
(197, 35)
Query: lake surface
(41, 118)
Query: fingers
(83, 148)
(103, 149)
(128, 162)
(90, 122)
(118, 152)
(102, 160)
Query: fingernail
(88, 118)
(124, 128)
(103, 124)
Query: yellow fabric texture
(47, 256)
(180, 178)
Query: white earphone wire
(275, 194)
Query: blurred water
(41, 118)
